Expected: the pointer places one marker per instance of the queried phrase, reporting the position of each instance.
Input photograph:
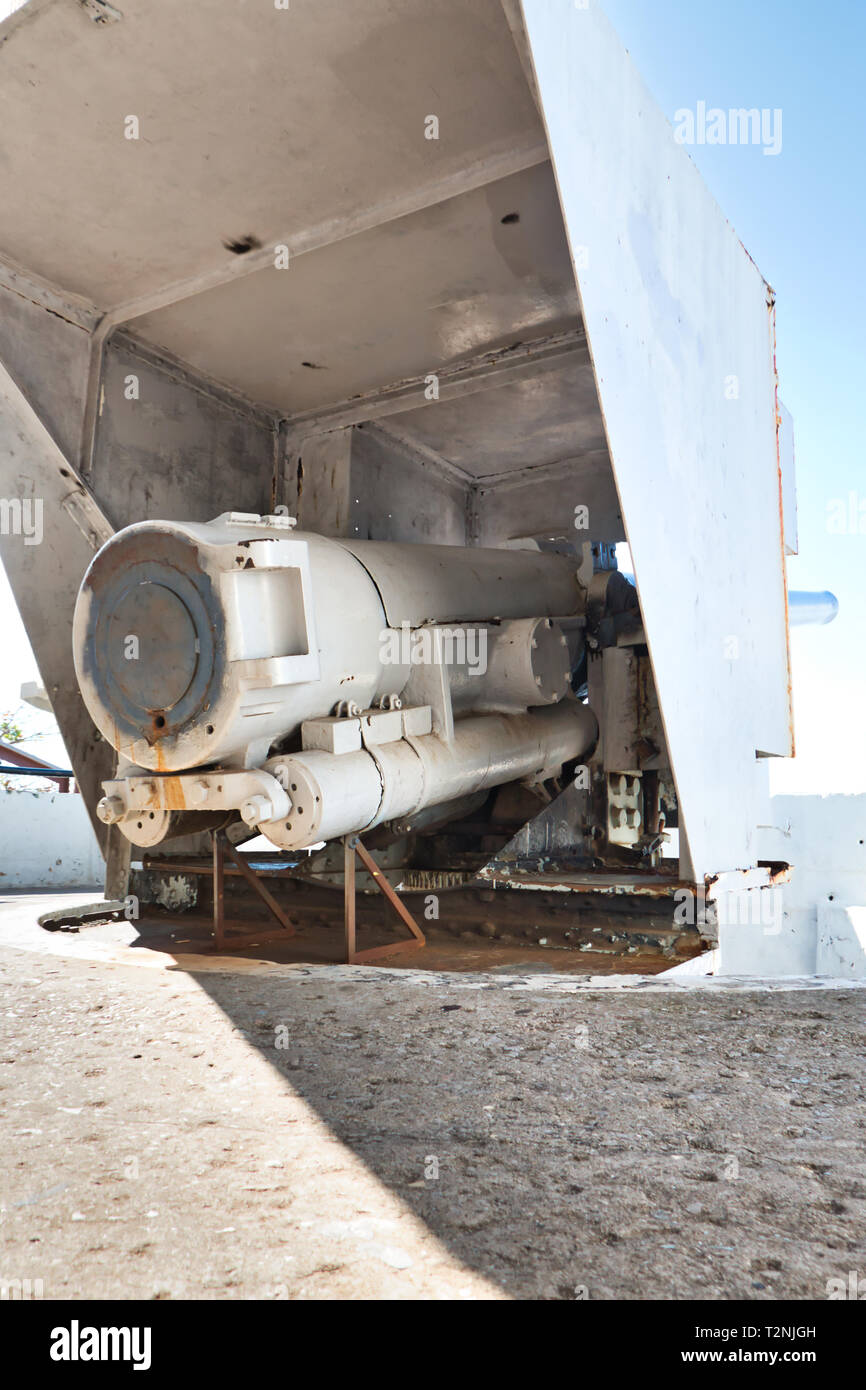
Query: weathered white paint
(841, 942)
(788, 464)
(674, 310)
(824, 839)
(46, 841)
(698, 967)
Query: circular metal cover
(551, 668)
(152, 646)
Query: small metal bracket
(352, 846)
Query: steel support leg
(352, 846)
(221, 848)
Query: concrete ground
(202, 1128)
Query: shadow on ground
(589, 1144)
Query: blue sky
(801, 216)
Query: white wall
(46, 841)
(824, 839)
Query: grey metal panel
(674, 307)
(541, 420)
(48, 356)
(317, 481)
(45, 575)
(181, 451)
(397, 496)
(541, 503)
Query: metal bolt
(256, 810)
(111, 809)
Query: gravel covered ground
(246, 1132)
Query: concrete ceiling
(411, 297)
(305, 128)
(530, 422)
(253, 121)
